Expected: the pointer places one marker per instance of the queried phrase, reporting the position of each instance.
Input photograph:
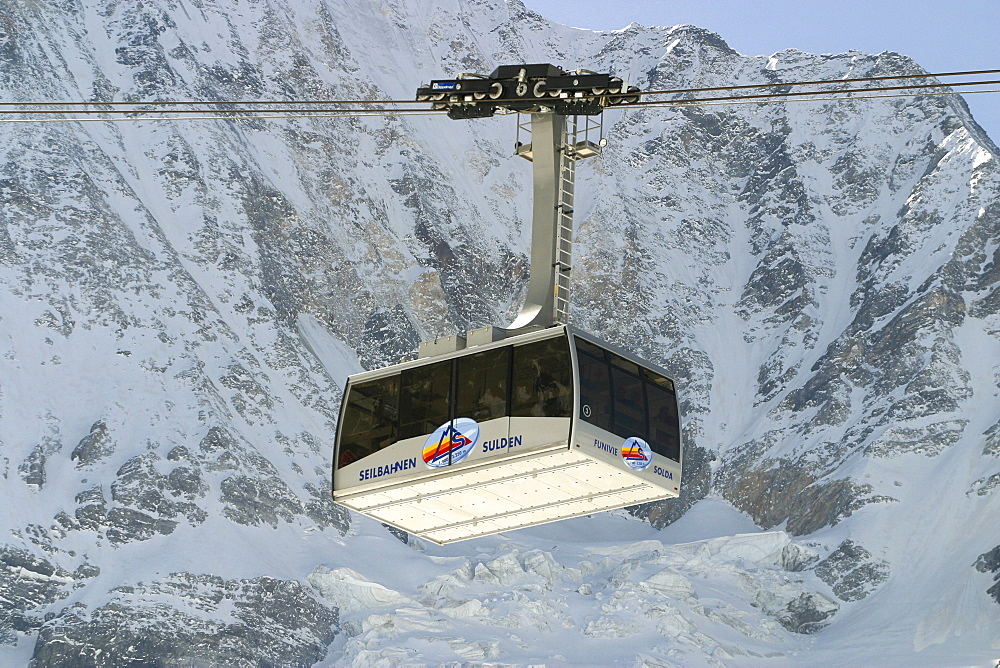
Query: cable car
(509, 428)
(530, 429)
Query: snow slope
(181, 300)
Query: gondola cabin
(513, 433)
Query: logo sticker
(451, 442)
(637, 453)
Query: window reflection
(369, 419)
(530, 380)
(425, 399)
(543, 379)
(482, 385)
(595, 390)
(620, 396)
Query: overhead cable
(820, 82)
(262, 116)
(739, 101)
(841, 92)
(678, 91)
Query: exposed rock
(808, 613)
(141, 486)
(179, 453)
(929, 440)
(94, 446)
(143, 509)
(989, 562)
(259, 499)
(187, 482)
(127, 524)
(32, 470)
(217, 439)
(984, 485)
(324, 512)
(785, 492)
(28, 584)
(195, 620)
(852, 571)
(992, 446)
(91, 511)
(398, 533)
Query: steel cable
(246, 111)
(677, 91)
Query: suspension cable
(736, 101)
(319, 113)
(664, 104)
(842, 92)
(247, 112)
(222, 113)
(677, 91)
(821, 82)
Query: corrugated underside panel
(516, 494)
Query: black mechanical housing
(527, 88)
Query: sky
(942, 36)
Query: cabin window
(531, 380)
(582, 345)
(369, 419)
(424, 399)
(620, 396)
(481, 385)
(624, 364)
(542, 379)
(595, 386)
(664, 424)
(657, 379)
(629, 405)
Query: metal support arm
(548, 147)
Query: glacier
(180, 302)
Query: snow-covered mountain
(181, 300)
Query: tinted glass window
(582, 345)
(623, 363)
(424, 399)
(664, 425)
(595, 390)
(657, 379)
(630, 404)
(542, 379)
(481, 388)
(369, 419)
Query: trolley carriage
(535, 428)
(509, 428)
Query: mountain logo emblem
(451, 442)
(637, 453)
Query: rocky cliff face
(180, 300)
